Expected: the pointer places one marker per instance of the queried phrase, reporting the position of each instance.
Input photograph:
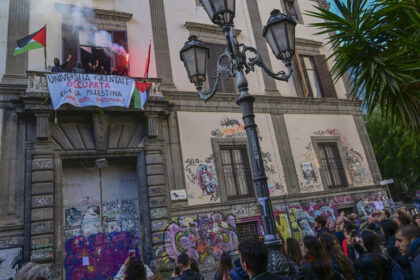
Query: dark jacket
(189, 275)
(415, 257)
(405, 266)
(307, 272)
(270, 276)
(237, 273)
(366, 269)
(390, 247)
(59, 68)
(79, 70)
(321, 231)
(293, 269)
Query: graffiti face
(206, 179)
(201, 237)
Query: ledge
(99, 13)
(206, 28)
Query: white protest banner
(82, 90)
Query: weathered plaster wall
(10, 260)
(4, 20)
(196, 131)
(300, 129)
(139, 31)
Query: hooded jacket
(237, 273)
(414, 251)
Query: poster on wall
(309, 176)
(83, 90)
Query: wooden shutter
(298, 77)
(327, 84)
(227, 84)
(70, 46)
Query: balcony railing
(37, 83)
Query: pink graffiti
(105, 254)
(201, 237)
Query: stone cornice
(206, 28)
(307, 42)
(277, 200)
(188, 101)
(99, 13)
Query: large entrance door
(101, 219)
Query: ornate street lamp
(280, 35)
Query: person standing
(341, 264)
(237, 272)
(225, 266)
(185, 271)
(135, 270)
(57, 68)
(407, 241)
(402, 218)
(253, 254)
(316, 263)
(373, 263)
(388, 228)
(320, 225)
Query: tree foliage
(378, 42)
(397, 151)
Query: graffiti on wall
(309, 177)
(10, 261)
(96, 247)
(203, 238)
(370, 203)
(98, 256)
(354, 159)
(229, 128)
(203, 174)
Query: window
(332, 165)
(291, 8)
(108, 47)
(313, 73)
(226, 85)
(247, 230)
(237, 172)
(311, 76)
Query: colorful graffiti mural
(98, 256)
(96, 247)
(206, 179)
(203, 238)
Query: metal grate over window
(332, 164)
(247, 230)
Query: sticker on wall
(178, 195)
(206, 179)
(309, 176)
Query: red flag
(146, 72)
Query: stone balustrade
(37, 83)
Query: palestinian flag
(140, 94)
(34, 41)
(141, 90)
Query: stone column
(42, 210)
(157, 186)
(18, 28)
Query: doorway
(101, 218)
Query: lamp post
(280, 35)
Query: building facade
(81, 186)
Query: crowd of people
(383, 248)
(89, 69)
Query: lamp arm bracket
(257, 60)
(223, 68)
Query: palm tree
(378, 42)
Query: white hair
(32, 271)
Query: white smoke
(81, 15)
